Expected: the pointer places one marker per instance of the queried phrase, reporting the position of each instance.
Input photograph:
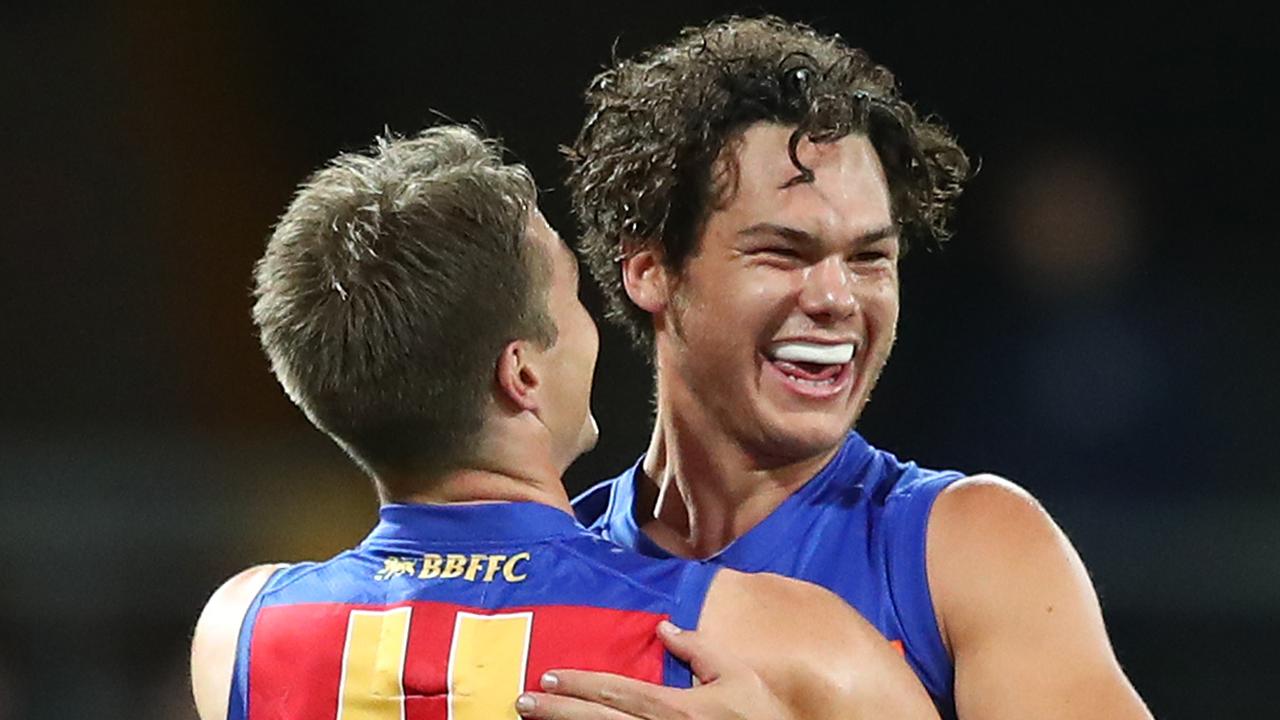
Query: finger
(707, 663)
(545, 706)
(628, 695)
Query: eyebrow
(803, 236)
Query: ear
(646, 280)
(516, 377)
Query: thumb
(705, 660)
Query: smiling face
(779, 324)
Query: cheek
(586, 334)
(722, 318)
(594, 341)
(759, 298)
(881, 303)
(723, 322)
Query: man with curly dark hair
(746, 193)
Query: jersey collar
(843, 474)
(414, 524)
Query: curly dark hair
(644, 166)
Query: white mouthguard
(813, 353)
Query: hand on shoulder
(766, 647)
(819, 654)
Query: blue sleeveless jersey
(450, 611)
(856, 528)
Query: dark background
(1100, 330)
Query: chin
(792, 439)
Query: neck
(471, 485)
(702, 487)
(511, 464)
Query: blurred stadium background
(1100, 329)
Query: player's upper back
(445, 612)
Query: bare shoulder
(1018, 610)
(986, 495)
(213, 648)
(225, 610)
(992, 546)
(815, 651)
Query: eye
(779, 256)
(874, 254)
(869, 256)
(776, 251)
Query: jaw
(773, 417)
(801, 417)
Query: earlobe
(645, 278)
(516, 378)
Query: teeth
(813, 353)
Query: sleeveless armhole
(238, 704)
(907, 523)
(691, 594)
(589, 507)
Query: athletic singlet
(451, 612)
(856, 528)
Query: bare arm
(1018, 611)
(818, 654)
(213, 649)
(766, 647)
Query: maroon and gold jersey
(448, 612)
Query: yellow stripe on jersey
(487, 664)
(372, 685)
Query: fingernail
(525, 703)
(667, 627)
(549, 681)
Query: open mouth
(819, 366)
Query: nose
(827, 291)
